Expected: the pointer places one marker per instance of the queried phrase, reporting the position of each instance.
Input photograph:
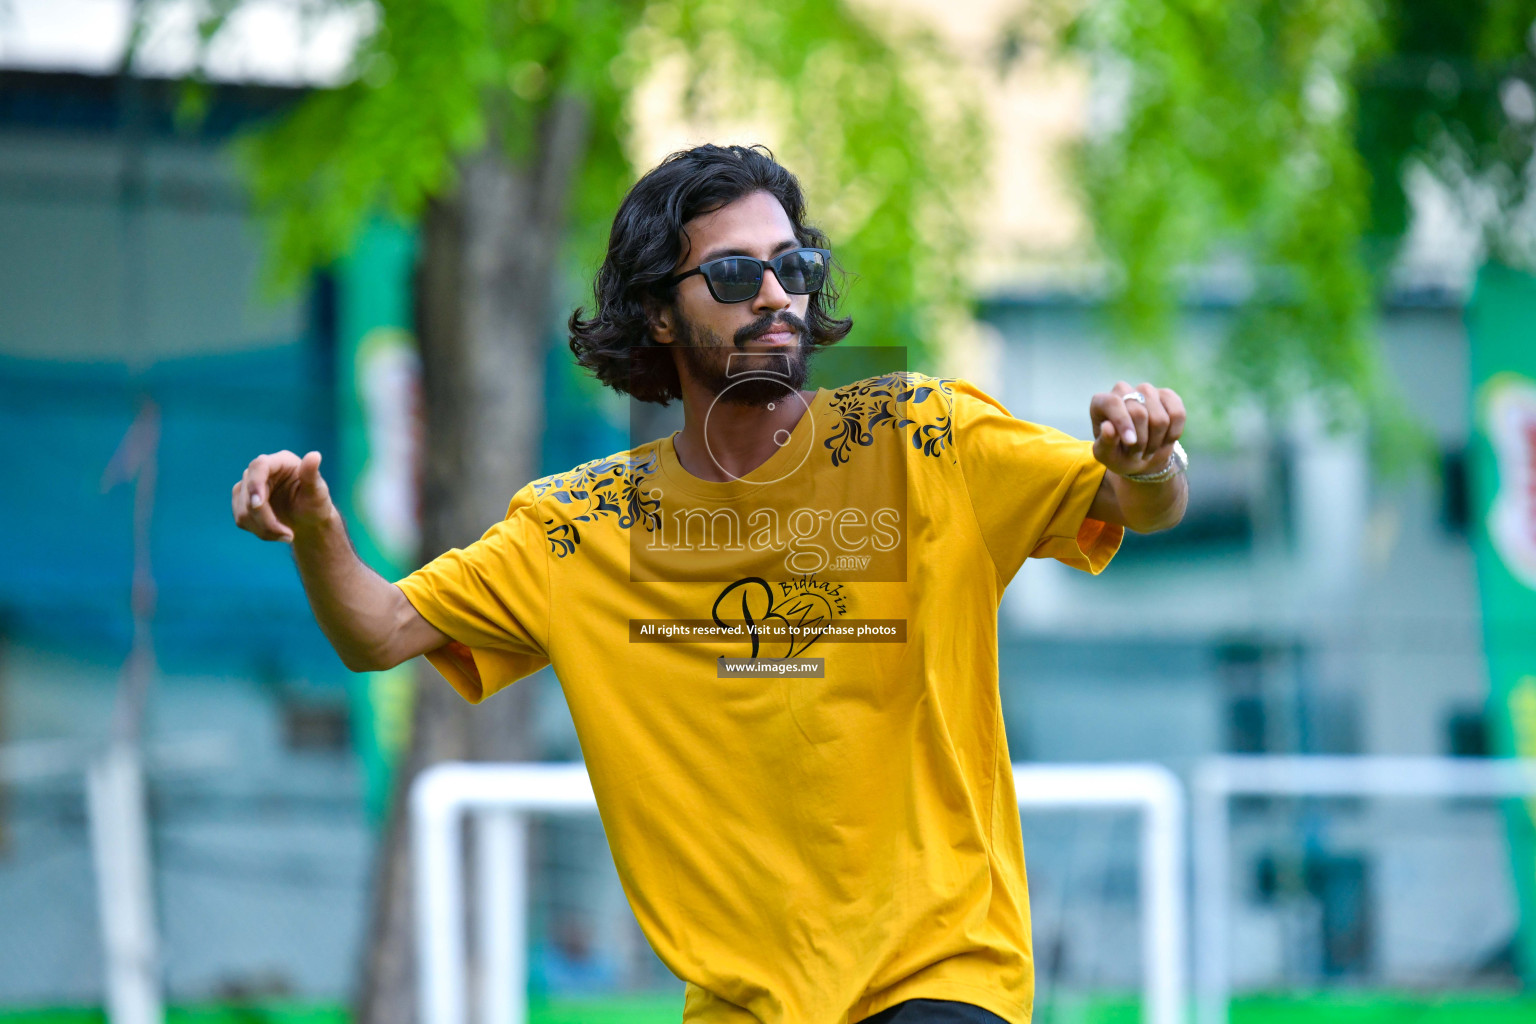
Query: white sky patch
(1443, 246)
(273, 42)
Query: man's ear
(658, 321)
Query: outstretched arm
(366, 618)
(1136, 437)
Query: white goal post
(1219, 779)
(502, 796)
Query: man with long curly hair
(776, 629)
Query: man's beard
(737, 376)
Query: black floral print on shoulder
(876, 402)
(603, 489)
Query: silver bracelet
(1178, 462)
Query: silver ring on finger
(1134, 396)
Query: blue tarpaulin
(225, 601)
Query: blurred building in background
(1308, 604)
(129, 274)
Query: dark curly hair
(646, 243)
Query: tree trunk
(486, 281)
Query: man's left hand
(1135, 437)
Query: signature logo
(781, 621)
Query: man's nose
(772, 294)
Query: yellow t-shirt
(798, 849)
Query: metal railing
(502, 796)
(1219, 779)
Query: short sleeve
(492, 600)
(1031, 487)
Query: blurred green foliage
(1269, 140)
(884, 138)
(1224, 136)
(1456, 95)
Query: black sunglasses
(738, 278)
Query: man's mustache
(766, 323)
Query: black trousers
(934, 1011)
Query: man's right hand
(367, 619)
(280, 494)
